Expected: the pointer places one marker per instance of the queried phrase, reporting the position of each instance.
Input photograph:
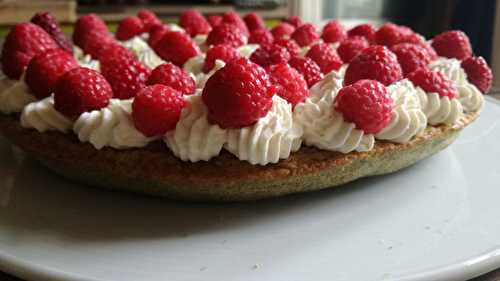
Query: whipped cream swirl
(272, 138)
(14, 95)
(85, 60)
(247, 50)
(201, 78)
(194, 138)
(143, 52)
(194, 65)
(326, 128)
(439, 110)
(469, 95)
(110, 126)
(42, 116)
(408, 119)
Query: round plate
(437, 220)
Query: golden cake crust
(154, 170)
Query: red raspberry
(96, 42)
(326, 57)
(290, 84)
(261, 36)
(176, 47)
(157, 109)
(367, 104)
(45, 69)
(290, 45)
(49, 23)
(194, 23)
(24, 41)
(254, 22)
(148, 18)
(308, 68)
(214, 20)
(282, 31)
(238, 95)
(478, 73)
(235, 19)
(226, 34)
(364, 30)
(452, 44)
(125, 75)
(305, 35)
(173, 76)
(376, 63)
(352, 47)
(433, 82)
(390, 34)
(294, 20)
(113, 50)
(333, 32)
(129, 27)
(224, 53)
(81, 90)
(156, 33)
(430, 51)
(270, 54)
(85, 24)
(411, 56)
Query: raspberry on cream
(325, 128)
(143, 51)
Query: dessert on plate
(223, 108)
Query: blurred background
(479, 19)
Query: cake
(222, 108)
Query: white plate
(437, 220)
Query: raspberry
(433, 82)
(113, 50)
(235, 19)
(81, 90)
(282, 31)
(238, 95)
(352, 47)
(308, 68)
(333, 32)
(214, 20)
(24, 41)
(157, 109)
(49, 23)
(364, 30)
(173, 76)
(294, 20)
(261, 36)
(478, 73)
(411, 56)
(452, 44)
(290, 45)
(270, 54)
(95, 43)
(176, 47)
(156, 33)
(85, 24)
(430, 51)
(125, 75)
(194, 23)
(390, 34)
(148, 18)
(254, 22)
(367, 104)
(224, 53)
(289, 82)
(376, 63)
(305, 35)
(129, 27)
(45, 69)
(226, 34)
(326, 57)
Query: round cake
(223, 108)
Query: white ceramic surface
(438, 220)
